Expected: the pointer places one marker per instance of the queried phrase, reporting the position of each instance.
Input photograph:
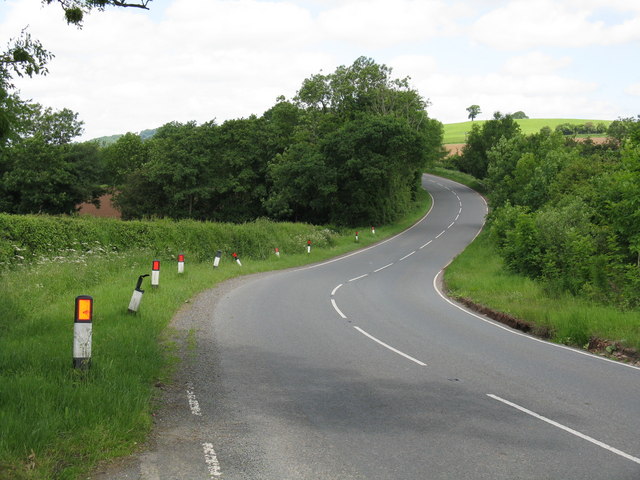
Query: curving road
(360, 369)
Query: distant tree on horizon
(474, 111)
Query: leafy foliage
(474, 159)
(349, 149)
(568, 212)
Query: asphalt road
(360, 369)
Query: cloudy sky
(130, 69)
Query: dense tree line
(564, 211)
(349, 148)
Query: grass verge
(56, 422)
(478, 277)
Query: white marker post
(356, 236)
(373, 230)
(82, 332)
(155, 274)
(277, 252)
(216, 261)
(136, 297)
(235, 256)
(180, 263)
(308, 246)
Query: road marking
(457, 217)
(382, 268)
(333, 302)
(193, 401)
(426, 244)
(408, 357)
(211, 459)
(358, 278)
(452, 223)
(407, 256)
(335, 290)
(440, 234)
(567, 429)
(521, 334)
(358, 252)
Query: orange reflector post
(82, 332)
(84, 308)
(156, 266)
(181, 258)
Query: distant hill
(456, 132)
(108, 140)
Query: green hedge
(27, 238)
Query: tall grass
(56, 422)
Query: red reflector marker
(155, 273)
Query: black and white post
(82, 332)
(308, 246)
(136, 297)
(216, 261)
(356, 236)
(235, 256)
(155, 274)
(181, 263)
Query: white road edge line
(194, 406)
(382, 268)
(407, 256)
(358, 278)
(211, 459)
(521, 334)
(335, 290)
(408, 357)
(567, 429)
(358, 252)
(452, 224)
(333, 302)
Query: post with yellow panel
(82, 332)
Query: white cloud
(523, 24)
(633, 89)
(202, 59)
(380, 23)
(534, 63)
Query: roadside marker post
(373, 230)
(136, 297)
(216, 261)
(308, 246)
(155, 274)
(356, 236)
(181, 263)
(82, 332)
(235, 256)
(277, 252)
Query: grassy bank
(57, 423)
(457, 132)
(479, 274)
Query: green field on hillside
(456, 132)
